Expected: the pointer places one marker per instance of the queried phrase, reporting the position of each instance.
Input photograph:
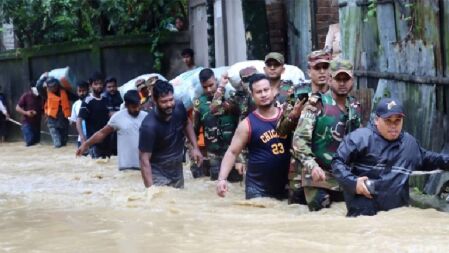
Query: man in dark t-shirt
(161, 139)
(30, 105)
(94, 111)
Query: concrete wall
(198, 31)
(124, 58)
(8, 38)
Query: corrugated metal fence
(401, 49)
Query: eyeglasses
(273, 64)
(321, 66)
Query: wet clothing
(74, 116)
(114, 102)
(94, 111)
(57, 108)
(31, 126)
(127, 128)
(165, 141)
(321, 127)
(389, 164)
(168, 173)
(29, 101)
(268, 159)
(59, 129)
(31, 134)
(219, 127)
(57, 102)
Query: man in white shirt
(82, 89)
(127, 123)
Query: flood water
(52, 202)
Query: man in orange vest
(57, 109)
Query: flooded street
(52, 202)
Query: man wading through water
(161, 139)
(268, 155)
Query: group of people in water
(302, 142)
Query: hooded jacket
(389, 164)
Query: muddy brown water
(52, 202)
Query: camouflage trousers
(302, 189)
(214, 163)
(203, 170)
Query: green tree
(50, 21)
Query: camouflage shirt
(286, 125)
(219, 124)
(320, 130)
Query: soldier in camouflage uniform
(324, 121)
(219, 119)
(274, 67)
(144, 90)
(318, 71)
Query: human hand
(361, 189)
(224, 79)
(241, 168)
(82, 149)
(297, 108)
(196, 155)
(222, 187)
(30, 113)
(318, 174)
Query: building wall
(121, 57)
(325, 15)
(277, 25)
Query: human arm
(83, 114)
(289, 118)
(196, 116)
(195, 151)
(94, 139)
(219, 106)
(20, 108)
(432, 160)
(342, 171)
(239, 141)
(79, 129)
(145, 166)
(302, 143)
(3, 110)
(147, 136)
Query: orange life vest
(53, 102)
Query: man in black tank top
(268, 156)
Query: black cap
(388, 107)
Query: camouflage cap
(140, 83)
(318, 56)
(151, 81)
(338, 66)
(246, 73)
(275, 56)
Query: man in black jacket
(373, 164)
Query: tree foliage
(38, 22)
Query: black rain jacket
(364, 152)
